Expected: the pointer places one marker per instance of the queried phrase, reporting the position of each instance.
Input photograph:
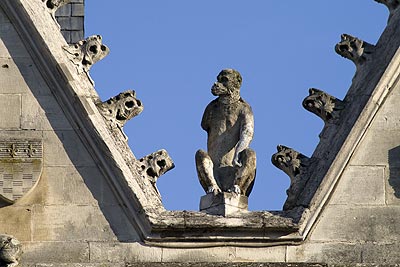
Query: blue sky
(170, 53)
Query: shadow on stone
(394, 170)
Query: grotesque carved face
(288, 160)
(121, 108)
(320, 103)
(228, 83)
(354, 49)
(156, 164)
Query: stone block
(55, 252)
(357, 224)
(215, 254)
(16, 221)
(76, 23)
(10, 108)
(76, 36)
(65, 23)
(62, 148)
(324, 252)
(123, 252)
(42, 113)
(223, 204)
(360, 185)
(64, 11)
(375, 147)
(267, 254)
(78, 10)
(67, 36)
(70, 223)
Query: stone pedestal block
(223, 204)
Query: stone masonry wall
(71, 19)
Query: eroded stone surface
(229, 164)
(355, 49)
(323, 105)
(119, 109)
(87, 52)
(154, 165)
(295, 165)
(10, 251)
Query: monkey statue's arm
(246, 135)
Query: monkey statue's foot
(214, 189)
(235, 189)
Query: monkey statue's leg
(245, 175)
(204, 166)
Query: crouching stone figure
(229, 165)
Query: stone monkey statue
(229, 165)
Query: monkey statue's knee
(205, 172)
(246, 174)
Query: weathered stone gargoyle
(87, 52)
(392, 5)
(53, 5)
(119, 109)
(229, 165)
(155, 165)
(10, 251)
(295, 165)
(323, 105)
(354, 49)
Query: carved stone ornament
(154, 165)
(21, 163)
(119, 109)
(354, 49)
(10, 251)
(229, 165)
(392, 5)
(53, 5)
(323, 105)
(290, 161)
(87, 52)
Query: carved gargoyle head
(121, 108)
(156, 164)
(354, 49)
(228, 84)
(10, 251)
(289, 161)
(322, 104)
(87, 52)
(53, 5)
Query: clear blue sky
(171, 51)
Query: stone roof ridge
(345, 121)
(100, 123)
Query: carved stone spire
(119, 109)
(323, 105)
(87, 52)
(354, 49)
(392, 5)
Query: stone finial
(155, 165)
(323, 105)
(10, 251)
(290, 161)
(87, 52)
(354, 49)
(119, 109)
(53, 5)
(392, 5)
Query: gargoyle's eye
(129, 104)
(93, 49)
(103, 48)
(138, 103)
(223, 79)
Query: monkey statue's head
(228, 84)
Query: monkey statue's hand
(214, 189)
(236, 161)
